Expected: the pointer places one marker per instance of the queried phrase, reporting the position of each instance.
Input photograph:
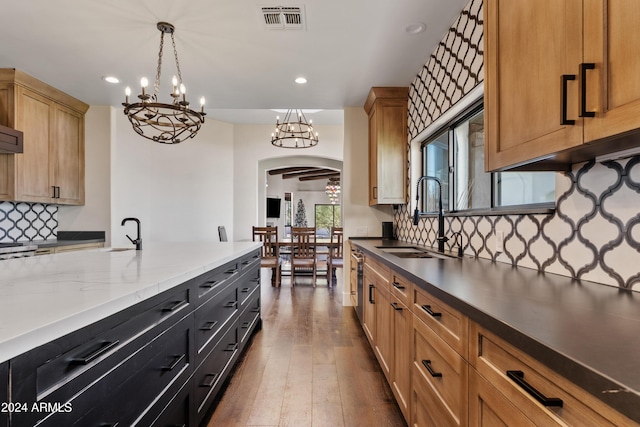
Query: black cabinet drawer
(250, 260)
(249, 318)
(132, 388)
(4, 394)
(213, 318)
(211, 283)
(59, 370)
(248, 283)
(177, 413)
(210, 376)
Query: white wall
(95, 215)
(179, 192)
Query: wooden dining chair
(270, 251)
(335, 259)
(303, 251)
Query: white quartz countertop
(45, 297)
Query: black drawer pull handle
(245, 262)
(583, 76)
(563, 101)
(230, 304)
(231, 271)
(175, 362)
(104, 348)
(255, 310)
(395, 306)
(211, 382)
(434, 374)
(232, 347)
(176, 305)
(371, 288)
(255, 280)
(245, 325)
(518, 378)
(427, 308)
(210, 326)
(245, 290)
(209, 284)
(110, 425)
(398, 286)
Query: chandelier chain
(175, 54)
(156, 84)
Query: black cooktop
(10, 244)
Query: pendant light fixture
(161, 122)
(294, 131)
(332, 190)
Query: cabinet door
(401, 385)
(613, 88)
(369, 309)
(373, 158)
(384, 331)
(67, 152)
(34, 118)
(490, 408)
(528, 47)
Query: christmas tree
(301, 215)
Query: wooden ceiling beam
(320, 176)
(308, 171)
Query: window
(326, 216)
(456, 157)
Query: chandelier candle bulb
(202, 101)
(144, 83)
(174, 82)
(127, 92)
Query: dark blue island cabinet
(4, 394)
(160, 362)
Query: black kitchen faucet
(137, 241)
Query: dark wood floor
(310, 365)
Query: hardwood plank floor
(309, 365)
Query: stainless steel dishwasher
(357, 273)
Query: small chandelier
(294, 133)
(333, 190)
(165, 123)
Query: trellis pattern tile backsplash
(594, 233)
(27, 221)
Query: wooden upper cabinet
(51, 169)
(387, 109)
(561, 81)
(612, 37)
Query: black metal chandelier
(160, 122)
(291, 133)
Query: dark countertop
(585, 331)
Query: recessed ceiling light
(111, 79)
(416, 28)
(301, 80)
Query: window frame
(448, 129)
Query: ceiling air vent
(283, 17)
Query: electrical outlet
(499, 241)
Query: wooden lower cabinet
(490, 408)
(384, 331)
(439, 377)
(401, 378)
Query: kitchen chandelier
(291, 133)
(333, 190)
(160, 122)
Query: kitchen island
(87, 329)
(579, 331)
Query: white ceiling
(225, 52)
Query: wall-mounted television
(273, 207)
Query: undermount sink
(120, 249)
(412, 252)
